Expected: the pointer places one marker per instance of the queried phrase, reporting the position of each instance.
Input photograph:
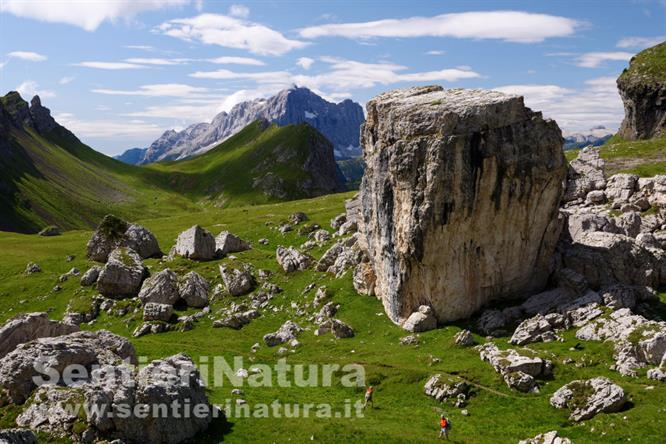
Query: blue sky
(120, 72)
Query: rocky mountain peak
(339, 123)
(21, 114)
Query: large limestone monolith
(460, 198)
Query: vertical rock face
(459, 199)
(643, 90)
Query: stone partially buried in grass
(194, 290)
(290, 259)
(161, 288)
(114, 232)
(226, 243)
(587, 398)
(238, 282)
(27, 327)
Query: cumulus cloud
(156, 90)
(30, 88)
(109, 65)
(305, 62)
(595, 59)
(109, 128)
(230, 32)
(343, 75)
(86, 15)
(512, 26)
(27, 55)
(575, 110)
(640, 42)
(236, 61)
(240, 11)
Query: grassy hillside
(52, 178)
(227, 175)
(649, 64)
(643, 157)
(403, 414)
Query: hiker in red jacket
(368, 397)
(444, 426)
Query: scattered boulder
(288, 331)
(122, 274)
(17, 436)
(430, 244)
(194, 289)
(290, 259)
(28, 327)
(298, 217)
(409, 340)
(195, 243)
(587, 398)
(538, 328)
(422, 320)
(90, 276)
(338, 220)
(519, 371)
(32, 268)
(113, 233)
(343, 255)
(226, 243)
(236, 320)
(339, 329)
(238, 282)
(51, 230)
(551, 437)
(153, 311)
(442, 390)
(464, 338)
(161, 288)
(18, 372)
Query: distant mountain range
(340, 123)
(596, 136)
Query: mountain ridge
(340, 123)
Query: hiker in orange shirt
(444, 426)
(368, 397)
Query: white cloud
(575, 110)
(343, 75)
(240, 11)
(30, 88)
(156, 90)
(594, 59)
(108, 128)
(86, 15)
(640, 42)
(155, 61)
(27, 55)
(305, 62)
(2, 64)
(65, 80)
(230, 32)
(436, 52)
(147, 48)
(236, 61)
(109, 65)
(512, 26)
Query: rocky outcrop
(585, 175)
(587, 398)
(161, 288)
(238, 282)
(20, 368)
(227, 242)
(339, 123)
(122, 274)
(551, 437)
(90, 276)
(17, 436)
(442, 167)
(288, 331)
(194, 289)
(642, 87)
(421, 320)
(114, 232)
(30, 326)
(290, 259)
(153, 311)
(195, 243)
(519, 371)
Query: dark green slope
(49, 177)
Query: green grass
(403, 414)
(642, 157)
(649, 63)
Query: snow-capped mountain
(340, 123)
(596, 136)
